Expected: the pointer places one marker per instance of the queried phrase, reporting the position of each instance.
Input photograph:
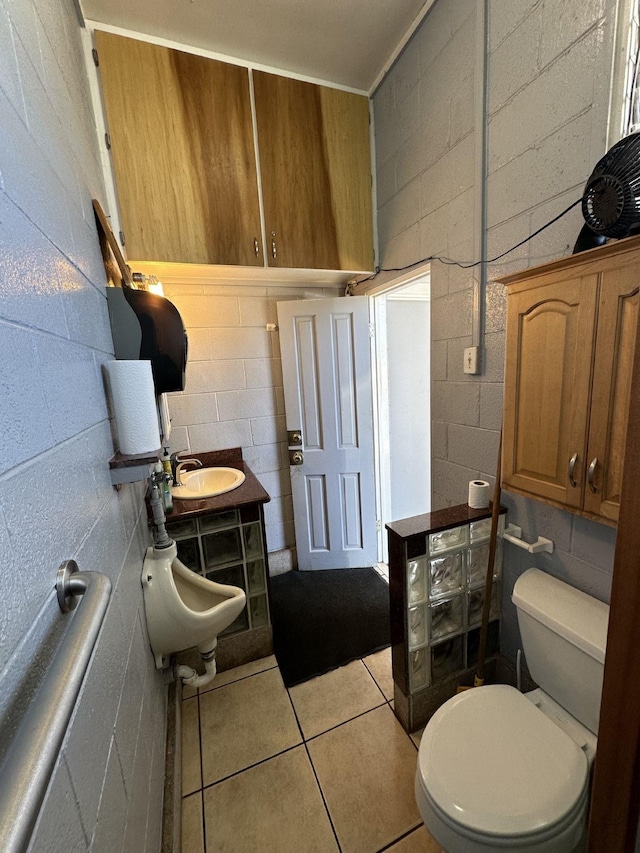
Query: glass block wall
(437, 575)
(445, 598)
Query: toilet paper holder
(513, 534)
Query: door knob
(295, 457)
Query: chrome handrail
(35, 739)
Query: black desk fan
(611, 199)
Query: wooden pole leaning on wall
(478, 680)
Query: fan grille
(611, 200)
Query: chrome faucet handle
(180, 466)
(174, 463)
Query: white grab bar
(31, 736)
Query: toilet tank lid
(577, 617)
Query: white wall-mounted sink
(207, 483)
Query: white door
(326, 362)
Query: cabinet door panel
(315, 174)
(549, 345)
(615, 346)
(183, 153)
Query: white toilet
(502, 770)
(184, 609)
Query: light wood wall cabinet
(316, 175)
(571, 334)
(183, 153)
(185, 164)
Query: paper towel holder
(149, 327)
(143, 325)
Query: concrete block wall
(234, 392)
(549, 64)
(56, 499)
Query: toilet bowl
(495, 772)
(502, 770)
(184, 609)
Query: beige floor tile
(275, 807)
(334, 698)
(238, 672)
(192, 828)
(366, 771)
(245, 722)
(188, 692)
(191, 770)
(420, 841)
(379, 665)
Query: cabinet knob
(273, 245)
(591, 473)
(572, 468)
(256, 246)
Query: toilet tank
(564, 636)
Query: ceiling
(345, 42)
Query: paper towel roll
(478, 494)
(134, 406)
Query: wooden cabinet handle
(256, 246)
(591, 473)
(572, 468)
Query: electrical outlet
(470, 364)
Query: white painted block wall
(549, 64)
(56, 500)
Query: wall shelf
(131, 469)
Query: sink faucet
(174, 463)
(180, 466)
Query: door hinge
(378, 525)
(122, 240)
(372, 330)
(107, 140)
(94, 54)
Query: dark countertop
(250, 492)
(434, 522)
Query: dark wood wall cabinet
(182, 136)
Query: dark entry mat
(324, 619)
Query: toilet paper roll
(134, 406)
(478, 494)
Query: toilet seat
(493, 766)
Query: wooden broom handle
(486, 609)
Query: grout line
(235, 681)
(251, 766)
(350, 720)
(204, 825)
(326, 806)
(400, 837)
(374, 680)
(315, 775)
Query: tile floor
(320, 768)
